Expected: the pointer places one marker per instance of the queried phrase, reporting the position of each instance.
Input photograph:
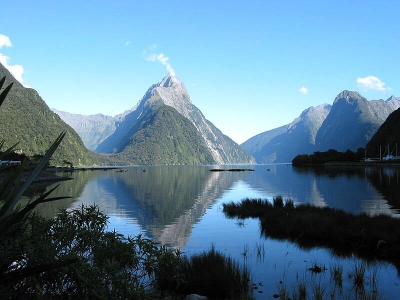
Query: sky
(249, 66)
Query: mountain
(352, 121)
(93, 129)
(349, 123)
(26, 119)
(134, 137)
(164, 137)
(284, 143)
(387, 139)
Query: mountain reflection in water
(181, 206)
(166, 201)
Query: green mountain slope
(25, 118)
(164, 137)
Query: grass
(215, 275)
(337, 275)
(318, 286)
(368, 237)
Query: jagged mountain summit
(352, 121)
(163, 128)
(349, 123)
(282, 144)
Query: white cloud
(127, 43)
(371, 83)
(303, 90)
(162, 59)
(4, 41)
(15, 70)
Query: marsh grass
(215, 275)
(302, 291)
(345, 234)
(260, 252)
(337, 277)
(358, 275)
(311, 285)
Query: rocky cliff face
(171, 91)
(284, 143)
(352, 121)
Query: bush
(96, 263)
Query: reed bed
(368, 237)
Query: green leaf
(4, 93)
(42, 164)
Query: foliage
(97, 263)
(318, 158)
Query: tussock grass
(215, 275)
(369, 237)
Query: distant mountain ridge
(129, 136)
(349, 123)
(92, 129)
(284, 143)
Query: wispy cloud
(303, 90)
(15, 70)
(371, 83)
(162, 59)
(158, 57)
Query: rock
(195, 297)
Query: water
(181, 206)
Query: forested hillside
(164, 137)
(26, 119)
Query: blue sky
(249, 66)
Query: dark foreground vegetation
(73, 256)
(318, 158)
(368, 237)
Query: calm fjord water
(181, 206)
